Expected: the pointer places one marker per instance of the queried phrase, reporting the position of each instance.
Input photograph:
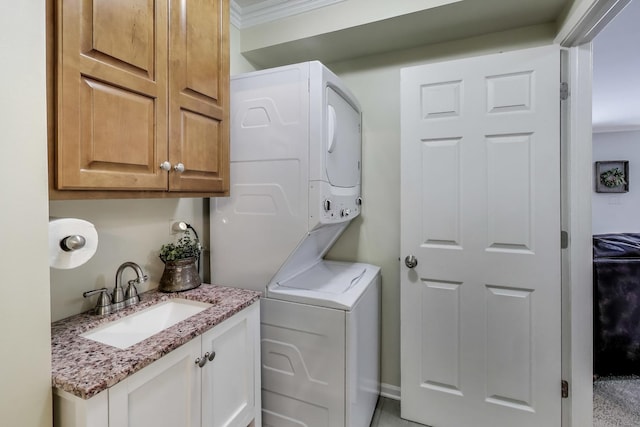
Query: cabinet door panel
(122, 30)
(164, 394)
(112, 94)
(199, 95)
(126, 142)
(229, 382)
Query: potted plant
(180, 259)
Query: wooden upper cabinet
(140, 83)
(199, 95)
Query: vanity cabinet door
(163, 394)
(231, 380)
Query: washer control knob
(327, 205)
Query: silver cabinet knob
(165, 166)
(203, 360)
(410, 261)
(212, 356)
(179, 168)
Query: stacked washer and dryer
(295, 186)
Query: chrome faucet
(120, 298)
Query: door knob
(165, 166)
(179, 168)
(410, 261)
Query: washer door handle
(410, 261)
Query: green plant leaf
(185, 247)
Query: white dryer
(295, 185)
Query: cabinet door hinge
(564, 239)
(565, 389)
(564, 91)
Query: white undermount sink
(138, 326)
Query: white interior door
(480, 318)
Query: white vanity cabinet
(176, 391)
(165, 393)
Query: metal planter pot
(179, 275)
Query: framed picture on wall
(612, 176)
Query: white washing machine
(320, 347)
(295, 186)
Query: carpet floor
(616, 402)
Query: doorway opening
(615, 223)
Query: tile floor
(387, 414)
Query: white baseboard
(390, 391)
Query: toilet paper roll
(65, 249)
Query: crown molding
(592, 21)
(234, 14)
(272, 10)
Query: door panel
(123, 30)
(199, 95)
(163, 394)
(111, 135)
(480, 321)
(343, 141)
(228, 388)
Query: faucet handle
(104, 301)
(117, 299)
(131, 296)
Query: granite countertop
(84, 367)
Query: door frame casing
(577, 296)
(577, 278)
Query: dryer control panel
(332, 205)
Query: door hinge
(565, 389)
(564, 239)
(564, 91)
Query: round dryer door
(343, 143)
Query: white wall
(238, 64)
(25, 356)
(374, 237)
(617, 212)
(128, 230)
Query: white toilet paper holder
(72, 242)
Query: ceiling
(267, 43)
(247, 13)
(616, 73)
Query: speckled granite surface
(85, 367)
